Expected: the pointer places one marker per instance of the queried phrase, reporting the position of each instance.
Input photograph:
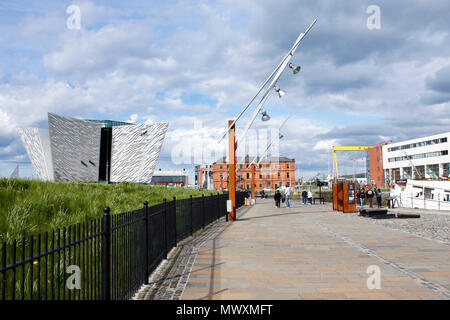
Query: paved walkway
(311, 252)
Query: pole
(147, 273)
(253, 183)
(106, 254)
(232, 169)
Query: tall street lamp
(232, 143)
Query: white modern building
(94, 150)
(422, 158)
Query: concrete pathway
(311, 252)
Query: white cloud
(149, 63)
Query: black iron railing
(106, 258)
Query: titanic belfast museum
(94, 150)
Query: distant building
(205, 177)
(374, 166)
(272, 173)
(171, 178)
(421, 158)
(93, 150)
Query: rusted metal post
(253, 182)
(232, 169)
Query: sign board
(351, 193)
(401, 181)
(229, 206)
(349, 203)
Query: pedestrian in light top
(370, 195)
(288, 194)
(310, 196)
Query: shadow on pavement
(271, 215)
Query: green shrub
(28, 207)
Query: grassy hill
(28, 207)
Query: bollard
(147, 273)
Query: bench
(376, 213)
(408, 215)
(369, 212)
(322, 200)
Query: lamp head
(295, 69)
(280, 92)
(265, 116)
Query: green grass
(29, 207)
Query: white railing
(411, 200)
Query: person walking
(310, 196)
(304, 196)
(379, 194)
(362, 197)
(287, 194)
(370, 195)
(277, 198)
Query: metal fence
(410, 200)
(107, 258)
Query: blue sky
(200, 62)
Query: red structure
(375, 170)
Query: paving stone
(305, 252)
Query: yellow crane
(345, 148)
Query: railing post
(203, 208)
(147, 274)
(190, 212)
(106, 254)
(217, 204)
(175, 219)
(165, 228)
(226, 210)
(424, 201)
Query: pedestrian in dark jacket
(361, 196)
(379, 194)
(370, 195)
(277, 198)
(304, 196)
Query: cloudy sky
(196, 64)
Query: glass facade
(168, 179)
(433, 171)
(419, 156)
(111, 123)
(418, 144)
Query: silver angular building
(94, 150)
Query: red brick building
(375, 170)
(272, 173)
